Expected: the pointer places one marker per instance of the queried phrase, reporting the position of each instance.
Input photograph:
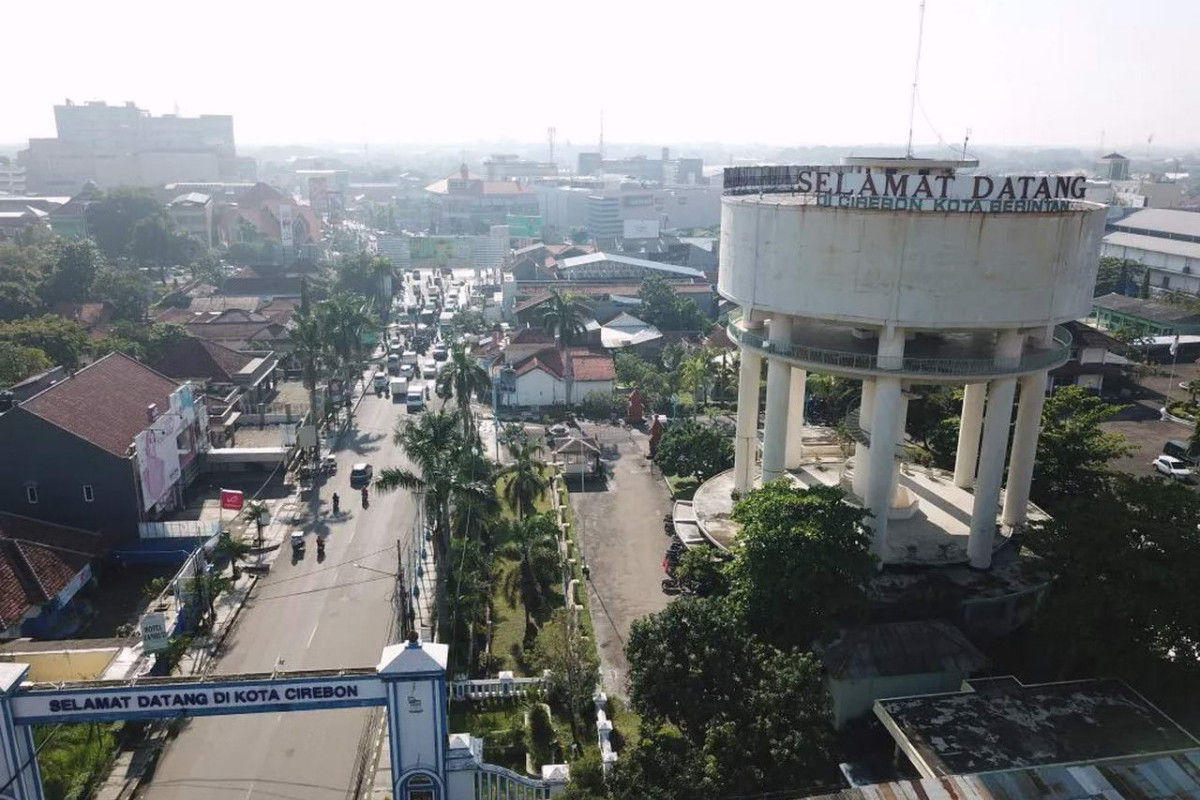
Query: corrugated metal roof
(1174, 776)
(1154, 244)
(1164, 220)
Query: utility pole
(550, 135)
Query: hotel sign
(848, 187)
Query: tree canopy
(62, 340)
(689, 448)
(665, 310)
(1073, 450)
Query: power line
(916, 74)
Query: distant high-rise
(124, 145)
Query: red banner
(232, 499)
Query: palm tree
(449, 475)
(310, 346)
(565, 317)
(532, 542)
(463, 378)
(695, 372)
(526, 483)
(346, 320)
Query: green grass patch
(508, 621)
(682, 488)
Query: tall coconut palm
(311, 346)
(526, 483)
(532, 542)
(346, 322)
(695, 374)
(566, 318)
(463, 378)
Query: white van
(399, 389)
(415, 398)
(429, 369)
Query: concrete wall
(853, 699)
(926, 269)
(64, 665)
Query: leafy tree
(633, 370)
(17, 363)
(803, 561)
(598, 405)
(73, 272)
(526, 483)
(1144, 289)
(311, 348)
(463, 378)
(702, 570)
(665, 310)
(579, 236)
(152, 244)
(468, 321)
(533, 543)
(1073, 450)
(113, 216)
(571, 659)
(468, 592)
(73, 758)
(62, 340)
(1116, 275)
(564, 316)
(344, 321)
(689, 448)
(767, 729)
(1124, 558)
(124, 290)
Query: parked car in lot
(360, 475)
(1172, 467)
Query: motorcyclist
(337, 502)
(364, 497)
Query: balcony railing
(1032, 361)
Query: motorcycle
(365, 502)
(337, 503)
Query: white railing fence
(604, 728)
(498, 688)
(497, 783)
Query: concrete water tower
(901, 272)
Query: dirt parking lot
(621, 534)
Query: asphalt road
(305, 615)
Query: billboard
(285, 224)
(641, 229)
(157, 463)
(524, 227)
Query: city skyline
(1007, 72)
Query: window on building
(88, 494)
(31, 494)
(1166, 284)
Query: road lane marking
(313, 636)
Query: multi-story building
(192, 214)
(12, 177)
(125, 145)
(466, 203)
(659, 170)
(503, 167)
(571, 203)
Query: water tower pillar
(1024, 447)
(969, 429)
(795, 439)
(862, 451)
(996, 423)
(746, 442)
(775, 433)
(885, 434)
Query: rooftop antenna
(550, 135)
(912, 105)
(966, 139)
(1149, 141)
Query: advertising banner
(285, 225)
(157, 460)
(232, 499)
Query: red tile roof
(105, 402)
(38, 560)
(585, 364)
(200, 358)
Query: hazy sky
(1048, 72)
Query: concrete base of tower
(926, 570)
(928, 525)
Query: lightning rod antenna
(912, 105)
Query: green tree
(1073, 450)
(526, 482)
(468, 592)
(802, 565)
(72, 759)
(62, 340)
(1124, 558)
(664, 309)
(17, 363)
(125, 291)
(112, 217)
(311, 348)
(695, 375)
(463, 378)
(345, 322)
(634, 371)
(73, 272)
(692, 449)
(1144, 289)
(564, 317)
(579, 236)
(1115, 274)
(702, 570)
(533, 543)
(574, 667)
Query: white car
(1172, 467)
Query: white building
(613, 267)
(538, 379)
(1166, 241)
(899, 273)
